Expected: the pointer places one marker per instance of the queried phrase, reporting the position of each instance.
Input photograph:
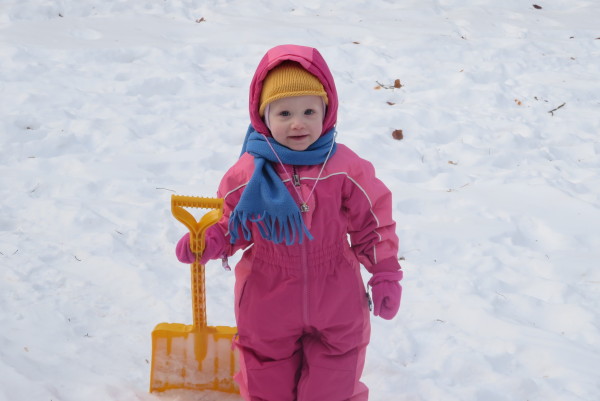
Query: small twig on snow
(459, 188)
(166, 189)
(553, 110)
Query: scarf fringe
(272, 227)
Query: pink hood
(312, 61)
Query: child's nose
(297, 122)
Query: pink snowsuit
(302, 310)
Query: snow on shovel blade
(193, 359)
(198, 356)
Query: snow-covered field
(107, 107)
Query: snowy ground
(109, 107)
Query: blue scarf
(266, 200)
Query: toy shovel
(197, 356)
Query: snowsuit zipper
(306, 290)
(304, 261)
(296, 177)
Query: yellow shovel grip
(196, 228)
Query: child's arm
(373, 236)
(372, 230)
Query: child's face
(297, 121)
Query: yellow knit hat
(286, 80)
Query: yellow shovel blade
(185, 357)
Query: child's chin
(298, 147)
(299, 144)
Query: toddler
(307, 212)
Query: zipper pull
(296, 177)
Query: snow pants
(303, 324)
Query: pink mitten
(183, 251)
(215, 247)
(387, 292)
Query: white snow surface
(107, 107)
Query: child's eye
(284, 113)
(309, 112)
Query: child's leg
(328, 375)
(263, 379)
(269, 322)
(334, 352)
